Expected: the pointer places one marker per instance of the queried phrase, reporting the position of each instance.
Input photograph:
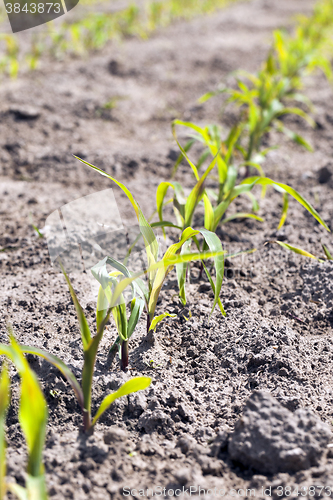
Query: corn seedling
(262, 97)
(228, 191)
(125, 327)
(33, 419)
(90, 346)
(176, 254)
(262, 104)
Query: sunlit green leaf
(133, 385)
(159, 318)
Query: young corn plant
(176, 254)
(214, 214)
(90, 346)
(108, 282)
(33, 419)
(307, 49)
(263, 96)
(262, 101)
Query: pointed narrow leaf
(196, 194)
(159, 318)
(181, 272)
(327, 253)
(84, 327)
(284, 210)
(135, 316)
(32, 412)
(209, 213)
(146, 230)
(249, 183)
(19, 491)
(133, 385)
(215, 245)
(297, 250)
(62, 367)
(241, 215)
(165, 223)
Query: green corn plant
(262, 104)
(178, 253)
(215, 210)
(125, 327)
(33, 419)
(228, 153)
(9, 62)
(214, 215)
(90, 346)
(291, 57)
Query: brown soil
(277, 334)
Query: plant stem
(86, 420)
(124, 355)
(148, 322)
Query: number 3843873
(33, 8)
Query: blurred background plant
(98, 22)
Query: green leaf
(299, 112)
(294, 137)
(169, 260)
(255, 165)
(209, 213)
(146, 231)
(36, 487)
(62, 367)
(135, 316)
(181, 272)
(194, 168)
(284, 210)
(160, 195)
(164, 270)
(179, 200)
(32, 412)
(159, 318)
(19, 491)
(84, 327)
(250, 182)
(120, 317)
(230, 180)
(4, 403)
(215, 245)
(102, 306)
(180, 158)
(327, 253)
(165, 223)
(241, 215)
(100, 272)
(133, 385)
(294, 249)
